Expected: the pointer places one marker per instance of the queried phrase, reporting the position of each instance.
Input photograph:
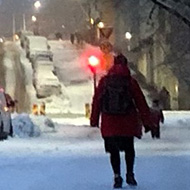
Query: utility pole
(13, 25)
(24, 21)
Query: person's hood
(119, 69)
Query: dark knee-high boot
(115, 162)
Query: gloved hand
(92, 124)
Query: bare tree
(178, 8)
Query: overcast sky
(61, 12)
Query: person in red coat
(118, 131)
(157, 116)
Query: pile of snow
(177, 119)
(25, 125)
(43, 122)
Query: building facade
(159, 47)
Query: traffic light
(93, 63)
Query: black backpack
(116, 98)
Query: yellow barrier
(87, 110)
(39, 109)
(35, 109)
(42, 109)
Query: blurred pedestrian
(157, 116)
(164, 97)
(72, 38)
(121, 104)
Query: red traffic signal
(93, 62)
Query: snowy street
(73, 157)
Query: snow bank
(177, 119)
(25, 125)
(44, 123)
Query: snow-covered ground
(73, 158)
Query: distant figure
(11, 104)
(78, 38)
(72, 38)
(164, 97)
(156, 117)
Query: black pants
(156, 133)
(114, 145)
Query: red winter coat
(121, 125)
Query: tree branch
(172, 11)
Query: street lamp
(37, 4)
(128, 36)
(100, 25)
(34, 19)
(35, 25)
(92, 21)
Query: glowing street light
(93, 63)
(128, 36)
(34, 19)
(100, 25)
(37, 5)
(91, 21)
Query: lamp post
(128, 36)
(13, 26)
(24, 21)
(35, 25)
(37, 5)
(35, 20)
(100, 25)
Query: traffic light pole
(94, 79)
(93, 63)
